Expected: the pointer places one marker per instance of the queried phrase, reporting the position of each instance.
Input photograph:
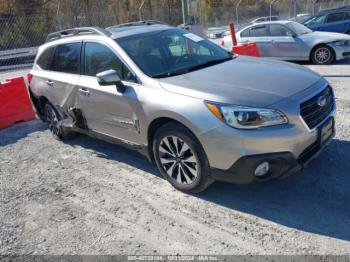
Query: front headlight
(341, 43)
(247, 117)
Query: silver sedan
(291, 41)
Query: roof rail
(77, 31)
(146, 22)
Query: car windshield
(299, 29)
(316, 20)
(172, 52)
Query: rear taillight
(222, 42)
(29, 77)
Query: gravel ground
(85, 196)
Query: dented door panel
(109, 112)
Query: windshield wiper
(209, 63)
(193, 68)
(173, 73)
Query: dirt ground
(85, 196)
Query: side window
(258, 31)
(99, 58)
(245, 33)
(278, 30)
(67, 58)
(336, 17)
(45, 59)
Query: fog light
(262, 169)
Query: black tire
(53, 118)
(187, 168)
(322, 55)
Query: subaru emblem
(322, 101)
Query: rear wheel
(322, 55)
(53, 119)
(181, 159)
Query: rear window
(45, 59)
(67, 58)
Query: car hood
(243, 81)
(325, 37)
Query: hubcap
(322, 55)
(178, 160)
(53, 121)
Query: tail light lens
(29, 77)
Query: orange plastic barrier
(15, 105)
(248, 49)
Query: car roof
(120, 32)
(280, 22)
(113, 32)
(334, 10)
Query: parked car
(332, 20)
(197, 111)
(264, 19)
(291, 41)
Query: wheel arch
(155, 125)
(39, 103)
(319, 45)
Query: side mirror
(110, 77)
(290, 34)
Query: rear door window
(278, 30)
(67, 58)
(335, 17)
(258, 31)
(245, 33)
(45, 59)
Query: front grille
(312, 113)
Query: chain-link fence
(21, 34)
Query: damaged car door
(106, 110)
(60, 73)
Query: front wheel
(181, 159)
(323, 55)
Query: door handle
(84, 92)
(50, 82)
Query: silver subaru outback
(200, 113)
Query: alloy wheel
(178, 160)
(323, 55)
(53, 121)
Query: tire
(181, 159)
(322, 55)
(53, 118)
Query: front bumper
(282, 164)
(234, 154)
(341, 52)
